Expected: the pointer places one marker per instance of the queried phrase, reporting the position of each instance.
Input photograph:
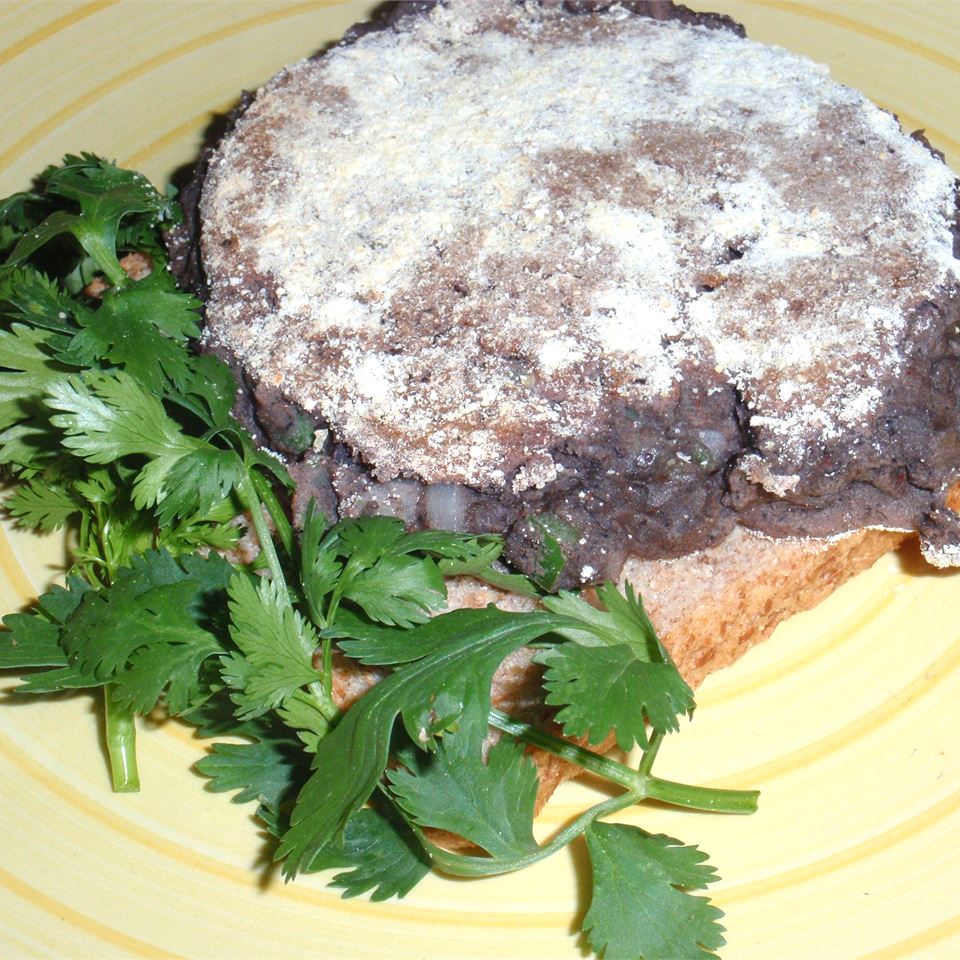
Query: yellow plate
(846, 720)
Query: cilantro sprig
(115, 429)
(110, 422)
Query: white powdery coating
(943, 556)
(759, 216)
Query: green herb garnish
(114, 428)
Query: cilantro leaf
(174, 665)
(102, 485)
(106, 195)
(215, 716)
(477, 557)
(33, 639)
(269, 771)
(199, 532)
(638, 908)
(27, 295)
(19, 213)
(608, 688)
(69, 677)
(319, 567)
(365, 540)
(614, 673)
(448, 685)
(378, 573)
(108, 416)
(622, 619)
(381, 852)
(29, 371)
(209, 391)
(450, 545)
(29, 444)
(381, 575)
(491, 804)
(464, 554)
(59, 603)
(398, 591)
(195, 482)
(150, 629)
(276, 647)
(141, 328)
(43, 504)
(149, 603)
(302, 712)
(375, 639)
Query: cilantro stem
(327, 647)
(710, 799)
(277, 514)
(120, 731)
(246, 491)
(638, 782)
(650, 754)
(102, 248)
(325, 704)
(121, 739)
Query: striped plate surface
(846, 719)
